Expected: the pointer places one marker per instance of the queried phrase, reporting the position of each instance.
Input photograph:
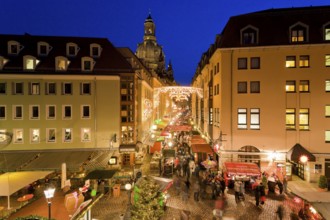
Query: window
(2, 112)
(85, 88)
(255, 118)
(85, 111)
(3, 136)
(249, 35)
(43, 48)
(242, 63)
(3, 88)
(327, 136)
(67, 89)
(127, 88)
(298, 33)
(51, 88)
(304, 61)
(35, 135)
(290, 62)
(72, 49)
(290, 86)
(242, 87)
(327, 60)
(3, 62)
(14, 47)
(67, 134)
(61, 63)
(326, 29)
(30, 62)
(50, 111)
(304, 86)
(127, 134)
(242, 118)
(327, 111)
(51, 135)
(290, 119)
(34, 88)
(327, 85)
(254, 87)
(85, 134)
(17, 112)
(18, 136)
(95, 50)
(304, 119)
(18, 88)
(127, 113)
(34, 112)
(87, 64)
(67, 112)
(255, 62)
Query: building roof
(110, 61)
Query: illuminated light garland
(177, 93)
(147, 109)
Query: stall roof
(240, 168)
(201, 148)
(101, 174)
(157, 147)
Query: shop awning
(157, 147)
(178, 127)
(198, 141)
(201, 148)
(297, 151)
(242, 169)
(101, 174)
(127, 148)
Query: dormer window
(299, 33)
(87, 64)
(30, 62)
(249, 35)
(3, 62)
(95, 50)
(61, 63)
(14, 47)
(72, 49)
(43, 48)
(326, 31)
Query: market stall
(240, 170)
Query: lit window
(254, 87)
(3, 88)
(327, 111)
(242, 63)
(304, 61)
(51, 88)
(34, 88)
(326, 29)
(18, 136)
(290, 86)
(14, 47)
(17, 112)
(127, 134)
(327, 60)
(3, 62)
(304, 119)
(72, 49)
(255, 118)
(85, 111)
(327, 85)
(51, 135)
(95, 50)
(304, 86)
(67, 112)
(327, 136)
(61, 63)
(2, 112)
(85, 88)
(18, 88)
(43, 48)
(242, 87)
(51, 112)
(35, 135)
(87, 64)
(30, 62)
(298, 33)
(67, 89)
(34, 112)
(290, 62)
(255, 62)
(67, 134)
(85, 134)
(242, 118)
(290, 119)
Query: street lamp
(128, 187)
(49, 194)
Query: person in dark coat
(280, 212)
(259, 192)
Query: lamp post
(128, 187)
(49, 194)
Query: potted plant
(323, 183)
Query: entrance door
(327, 172)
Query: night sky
(185, 28)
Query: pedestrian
(177, 185)
(285, 184)
(223, 185)
(280, 212)
(197, 189)
(219, 207)
(260, 194)
(237, 189)
(280, 186)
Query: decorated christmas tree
(148, 200)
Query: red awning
(157, 147)
(237, 168)
(198, 141)
(178, 128)
(201, 148)
(165, 133)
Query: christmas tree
(148, 200)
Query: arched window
(249, 35)
(61, 63)
(30, 62)
(249, 157)
(299, 33)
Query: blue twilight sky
(185, 28)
